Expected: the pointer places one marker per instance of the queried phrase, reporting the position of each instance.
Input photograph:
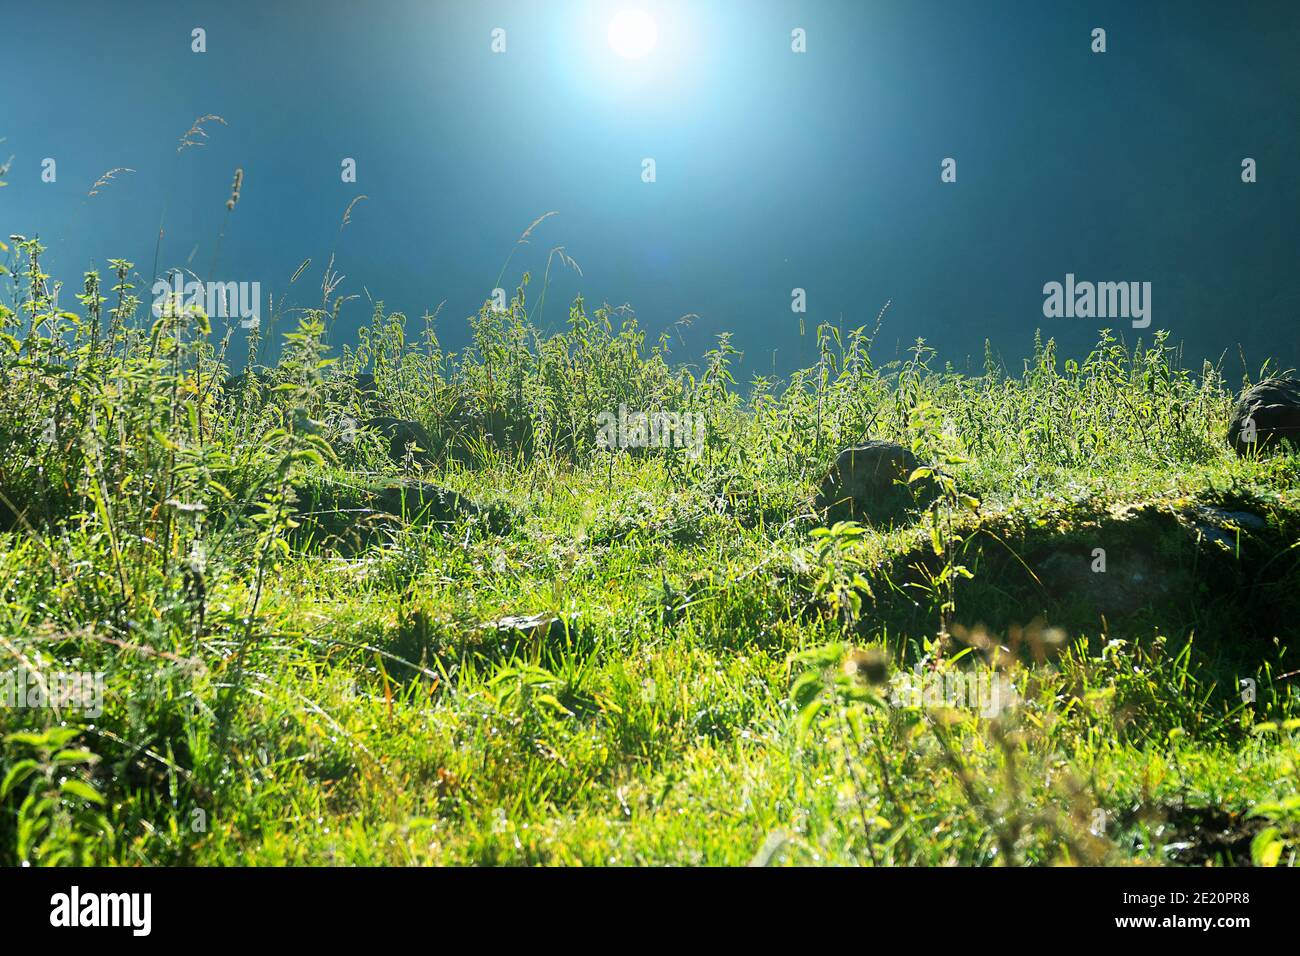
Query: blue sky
(775, 170)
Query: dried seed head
(234, 189)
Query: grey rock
(368, 398)
(404, 435)
(413, 501)
(1225, 527)
(1273, 407)
(350, 516)
(868, 482)
(422, 501)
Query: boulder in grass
(405, 437)
(868, 482)
(1266, 414)
(359, 391)
(237, 389)
(366, 386)
(419, 501)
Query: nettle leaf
(79, 788)
(75, 756)
(16, 775)
(824, 655)
(807, 688)
(27, 737)
(807, 715)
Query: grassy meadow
(636, 656)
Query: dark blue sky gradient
(775, 170)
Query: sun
(632, 34)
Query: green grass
(275, 694)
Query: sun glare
(632, 34)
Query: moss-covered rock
(1228, 568)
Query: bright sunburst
(632, 34)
